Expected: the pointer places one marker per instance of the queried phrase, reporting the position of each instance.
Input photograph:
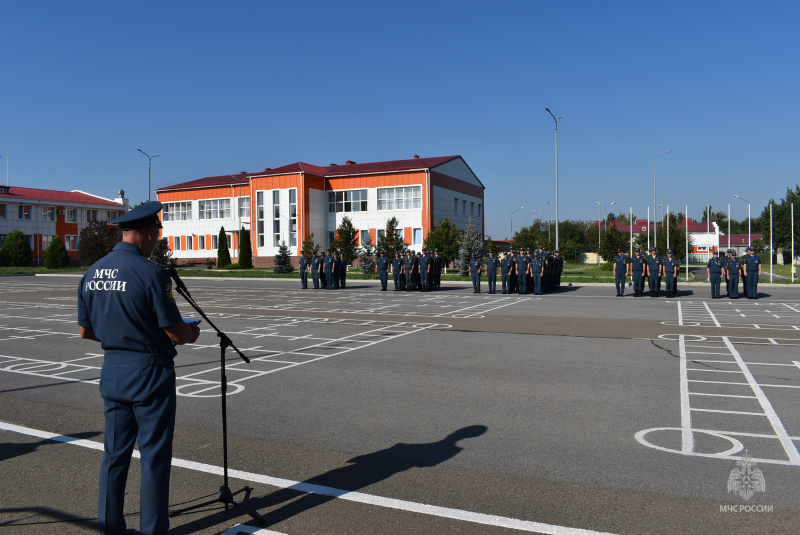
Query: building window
(364, 237)
(48, 213)
(92, 215)
(72, 215)
(417, 236)
(406, 198)
(111, 216)
(464, 207)
(260, 240)
(177, 211)
(455, 205)
(331, 239)
(400, 233)
(293, 217)
(201, 242)
(472, 209)
(3, 239)
(276, 218)
(46, 240)
(3, 211)
(189, 245)
(71, 243)
(244, 206)
(176, 243)
(24, 211)
(215, 209)
(347, 201)
(479, 209)
(381, 234)
(214, 242)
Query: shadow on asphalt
(361, 472)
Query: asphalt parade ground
(446, 412)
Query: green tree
(781, 219)
(492, 246)
(245, 250)
(283, 262)
(55, 257)
(366, 256)
(444, 237)
(309, 247)
(532, 236)
(346, 241)
(162, 255)
(95, 241)
(223, 255)
(611, 240)
(390, 243)
(468, 245)
(16, 251)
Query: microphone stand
(225, 495)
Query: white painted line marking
(358, 497)
(251, 530)
(711, 314)
(687, 438)
(731, 412)
(721, 395)
(777, 425)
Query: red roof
(350, 168)
(77, 197)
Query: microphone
(178, 282)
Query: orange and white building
(42, 214)
(288, 203)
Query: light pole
(549, 221)
(527, 216)
(748, 218)
(149, 162)
(511, 236)
(556, 121)
(655, 209)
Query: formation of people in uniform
(525, 271)
(731, 270)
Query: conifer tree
(309, 247)
(55, 257)
(223, 255)
(283, 262)
(16, 251)
(245, 250)
(346, 240)
(95, 241)
(468, 245)
(162, 255)
(391, 243)
(366, 256)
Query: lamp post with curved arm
(556, 121)
(511, 236)
(527, 216)
(749, 242)
(655, 208)
(149, 162)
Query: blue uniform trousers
(653, 282)
(733, 286)
(638, 281)
(328, 279)
(751, 280)
(315, 278)
(506, 285)
(476, 282)
(396, 279)
(521, 288)
(619, 280)
(423, 275)
(139, 402)
(383, 274)
(670, 283)
(716, 279)
(304, 279)
(491, 277)
(537, 283)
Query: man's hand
(183, 333)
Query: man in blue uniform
(438, 265)
(382, 268)
(423, 270)
(396, 268)
(491, 272)
(521, 263)
(638, 267)
(328, 263)
(537, 265)
(505, 269)
(315, 265)
(670, 266)
(654, 272)
(620, 271)
(724, 261)
(752, 270)
(714, 272)
(512, 274)
(304, 265)
(732, 268)
(475, 273)
(125, 302)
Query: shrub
(16, 250)
(55, 257)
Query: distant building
(41, 214)
(288, 203)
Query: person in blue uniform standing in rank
(670, 265)
(304, 265)
(535, 269)
(125, 302)
(342, 271)
(335, 270)
(654, 272)
(512, 274)
(505, 269)
(521, 260)
(714, 272)
(491, 272)
(315, 270)
(620, 271)
(752, 270)
(732, 268)
(397, 264)
(423, 270)
(475, 273)
(328, 265)
(638, 267)
(382, 268)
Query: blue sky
(223, 87)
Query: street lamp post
(662, 202)
(749, 241)
(556, 121)
(655, 209)
(511, 236)
(527, 216)
(149, 162)
(548, 223)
